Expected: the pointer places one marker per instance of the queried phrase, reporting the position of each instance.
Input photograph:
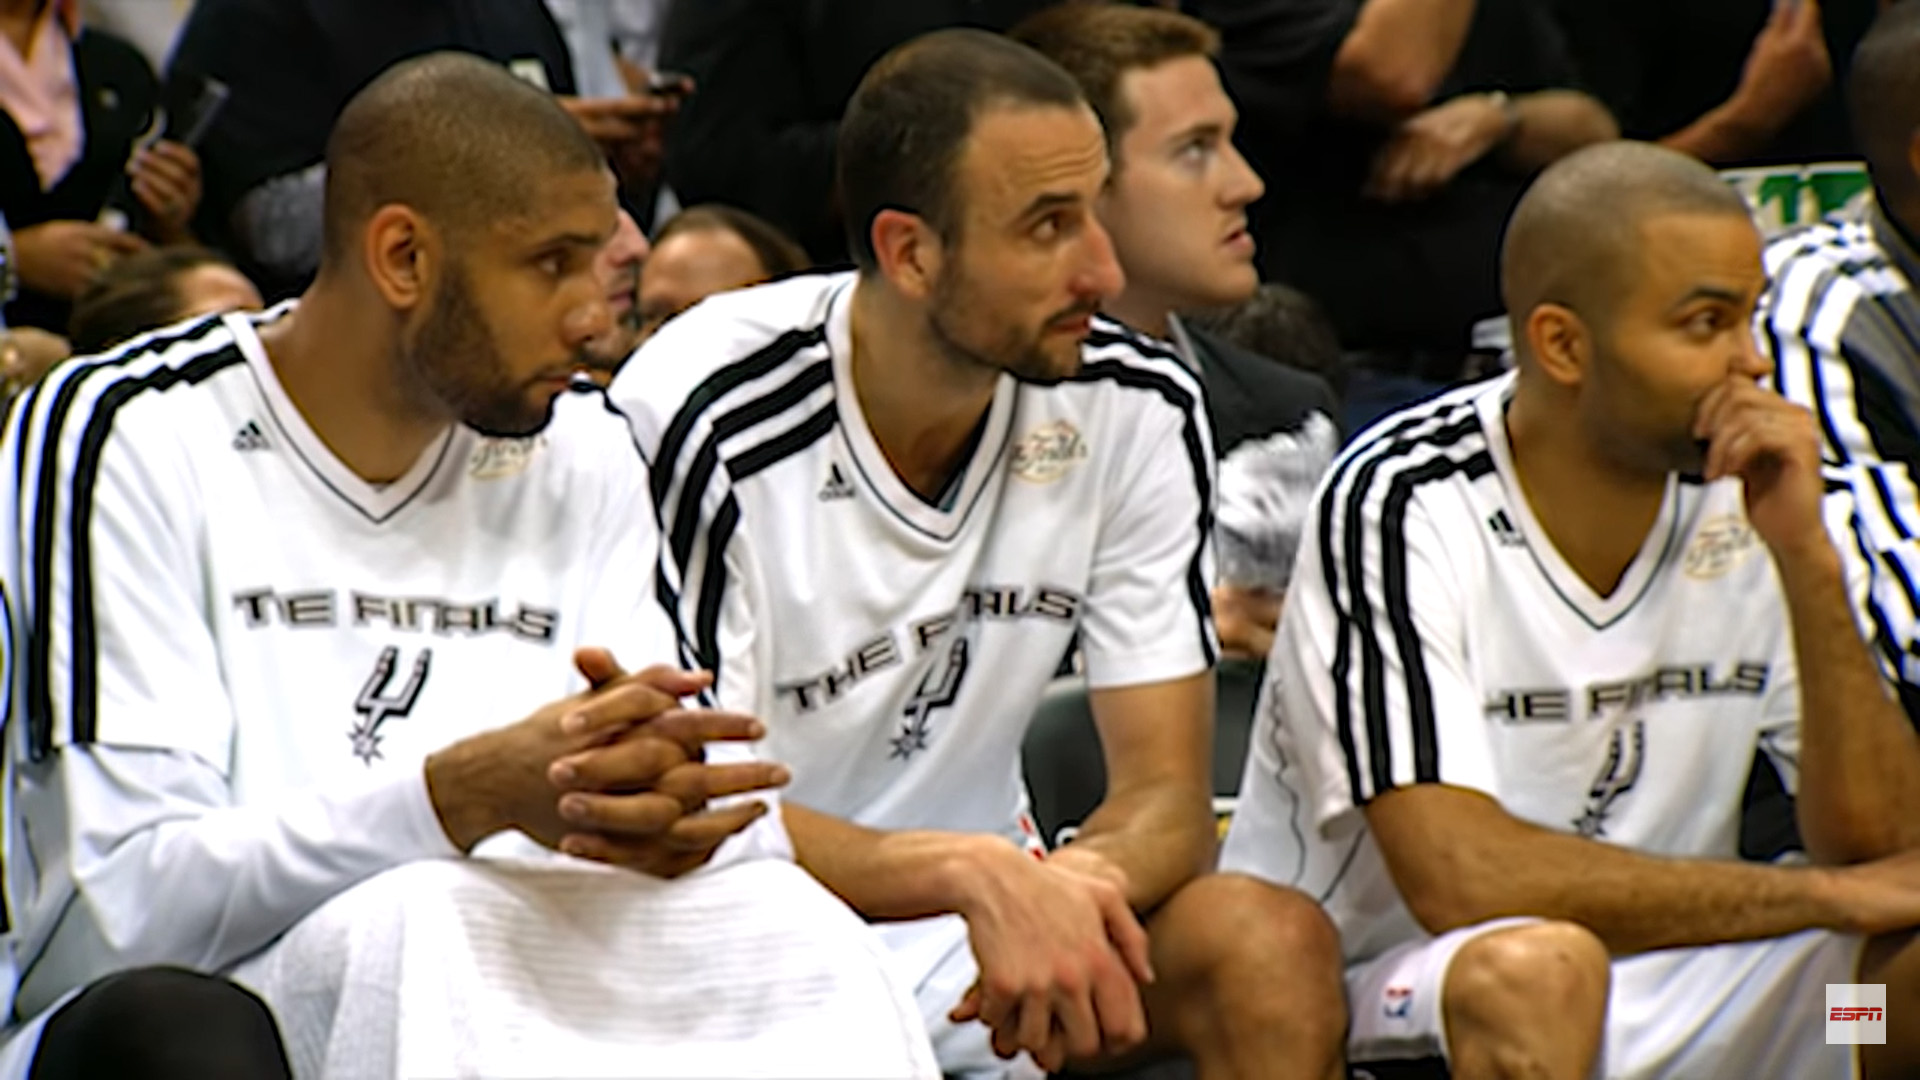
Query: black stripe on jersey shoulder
(1393, 544)
(1191, 402)
(713, 578)
(708, 393)
(1442, 426)
(188, 370)
(700, 469)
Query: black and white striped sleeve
(1149, 610)
(1371, 657)
(1836, 333)
(700, 443)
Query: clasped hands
(618, 773)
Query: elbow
(1371, 85)
(1441, 908)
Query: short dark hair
(1099, 42)
(134, 295)
(903, 132)
(1575, 240)
(1883, 97)
(455, 137)
(778, 253)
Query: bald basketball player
(1524, 669)
(327, 617)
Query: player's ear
(1559, 342)
(908, 250)
(401, 255)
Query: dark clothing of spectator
(117, 93)
(1405, 281)
(1662, 64)
(771, 80)
(292, 65)
(1251, 397)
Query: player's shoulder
(729, 338)
(152, 388)
(1449, 424)
(1138, 372)
(1846, 246)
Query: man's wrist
(1082, 859)
(1806, 558)
(1509, 113)
(973, 876)
(453, 778)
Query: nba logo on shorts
(1856, 1013)
(1399, 1001)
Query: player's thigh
(1396, 998)
(934, 958)
(1747, 1009)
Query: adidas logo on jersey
(1503, 530)
(836, 486)
(250, 437)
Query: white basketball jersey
(897, 646)
(1433, 634)
(198, 573)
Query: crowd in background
(1353, 252)
(1394, 137)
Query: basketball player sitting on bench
(1540, 628)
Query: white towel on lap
(508, 968)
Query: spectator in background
(618, 265)
(1843, 323)
(148, 25)
(773, 77)
(1732, 82)
(291, 65)
(76, 101)
(1175, 207)
(154, 289)
(1396, 136)
(708, 249)
(1281, 322)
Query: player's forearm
(167, 873)
(1633, 902)
(1551, 124)
(1725, 133)
(1859, 796)
(1157, 838)
(1396, 56)
(894, 875)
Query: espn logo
(1856, 1013)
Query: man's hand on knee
(1061, 959)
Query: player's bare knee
(1246, 941)
(1549, 969)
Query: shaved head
(454, 137)
(1576, 238)
(1883, 96)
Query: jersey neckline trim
(982, 472)
(377, 503)
(1596, 611)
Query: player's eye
(1705, 324)
(553, 264)
(1049, 228)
